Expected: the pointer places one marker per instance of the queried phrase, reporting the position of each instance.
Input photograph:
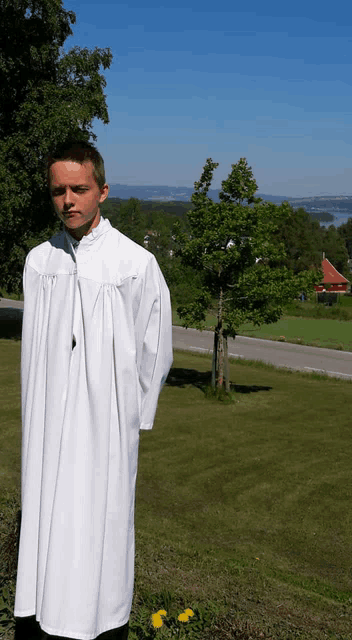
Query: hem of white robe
(70, 634)
(23, 614)
(146, 425)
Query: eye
(57, 192)
(79, 189)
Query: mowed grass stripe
(261, 488)
(271, 471)
(245, 505)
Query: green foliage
(50, 97)
(233, 245)
(240, 184)
(182, 280)
(339, 311)
(219, 394)
(153, 228)
(159, 240)
(7, 597)
(141, 627)
(345, 231)
(305, 241)
(131, 221)
(302, 239)
(334, 247)
(9, 536)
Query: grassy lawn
(10, 296)
(243, 510)
(250, 503)
(322, 332)
(10, 412)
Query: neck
(85, 229)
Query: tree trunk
(214, 364)
(226, 364)
(220, 363)
(220, 377)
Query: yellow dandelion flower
(162, 612)
(183, 617)
(189, 612)
(157, 621)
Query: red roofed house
(338, 283)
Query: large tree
(334, 248)
(131, 220)
(345, 232)
(305, 242)
(232, 244)
(48, 96)
(302, 239)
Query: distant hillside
(339, 204)
(164, 194)
(156, 192)
(176, 208)
(321, 208)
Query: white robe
(82, 408)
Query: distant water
(340, 217)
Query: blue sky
(198, 79)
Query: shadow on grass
(179, 377)
(11, 323)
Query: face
(76, 196)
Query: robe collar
(87, 242)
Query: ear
(104, 192)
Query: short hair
(79, 151)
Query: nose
(68, 199)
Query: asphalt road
(282, 354)
(13, 304)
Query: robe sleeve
(154, 339)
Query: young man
(96, 349)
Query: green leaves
(236, 247)
(201, 187)
(131, 221)
(335, 250)
(240, 184)
(50, 97)
(233, 244)
(345, 231)
(31, 38)
(194, 313)
(7, 620)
